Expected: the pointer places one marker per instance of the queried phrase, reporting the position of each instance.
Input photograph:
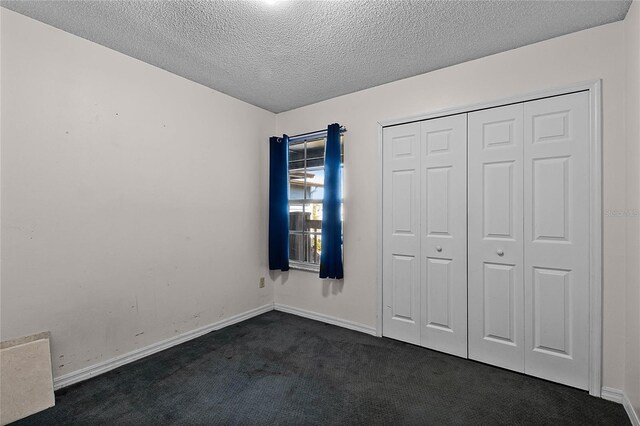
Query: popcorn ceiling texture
(294, 53)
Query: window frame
(305, 202)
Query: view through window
(306, 189)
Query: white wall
(632, 377)
(591, 54)
(132, 199)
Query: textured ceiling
(292, 53)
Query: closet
(485, 236)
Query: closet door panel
(401, 232)
(556, 197)
(444, 233)
(496, 291)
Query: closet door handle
(438, 248)
(500, 252)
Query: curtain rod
(304, 137)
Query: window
(306, 189)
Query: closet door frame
(594, 88)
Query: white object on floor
(26, 383)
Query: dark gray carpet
(282, 369)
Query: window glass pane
(342, 181)
(315, 153)
(315, 183)
(313, 217)
(342, 166)
(297, 247)
(296, 172)
(296, 153)
(315, 246)
(296, 217)
(296, 180)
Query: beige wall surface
(632, 377)
(597, 53)
(132, 199)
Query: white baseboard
(616, 395)
(351, 325)
(110, 364)
(633, 416)
(611, 394)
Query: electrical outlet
(261, 282)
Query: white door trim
(595, 244)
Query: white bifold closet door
(496, 290)
(444, 234)
(401, 232)
(556, 235)
(503, 194)
(424, 234)
(529, 238)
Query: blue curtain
(279, 203)
(331, 254)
